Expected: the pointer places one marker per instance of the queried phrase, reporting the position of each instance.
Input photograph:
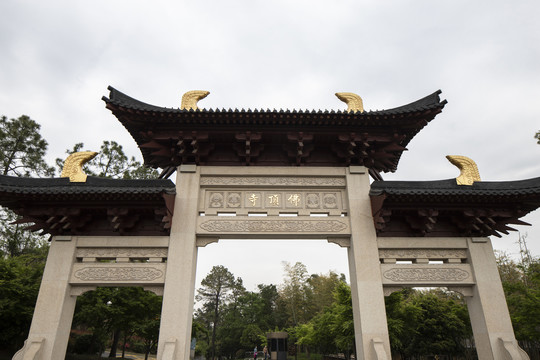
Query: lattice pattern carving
(327, 181)
(127, 273)
(426, 274)
(277, 226)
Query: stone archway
(271, 162)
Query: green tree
(218, 289)
(112, 162)
(22, 152)
(20, 277)
(272, 314)
(296, 293)
(15, 240)
(343, 325)
(430, 322)
(322, 290)
(117, 311)
(22, 149)
(521, 284)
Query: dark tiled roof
(99, 206)
(429, 102)
(93, 185)
(170, 137)
(451, 188)
(443, 208)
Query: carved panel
(426, 274)
(272, 181)
(127, 273)
(277, 225)
(115, 273)
(411, 275)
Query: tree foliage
(112, 162)
(22, 253)
(521, 284)
(296, 292)
(20, 277)
(22, 149)
(111, 310)
(218, 289)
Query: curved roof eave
(117, 98)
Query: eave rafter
(97, 207)
(169, 137)
(443, 208)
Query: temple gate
(255, 167)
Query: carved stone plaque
(331, 181)
(426, 274)
(276, 225)
(107, 273)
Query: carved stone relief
(128, 273)
(234, 200)
(278, 226)
(272, 181)
(425, 274)
(216, 200)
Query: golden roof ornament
(190, 99)
(469, 170)
(353, 101)
(74, 163)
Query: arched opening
(115, 322)
(286, 286)
(428, 323)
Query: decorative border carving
(422, 253)
(278, 226)
(440, 274)
(131, 273)
(122, 252)
(272, 181)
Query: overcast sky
(58, 57)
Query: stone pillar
(53, 314)
(370, 327)
(178, 295)
(488, 311)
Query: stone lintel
(118, 274)
(426, 274)
(273, 227)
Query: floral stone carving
(279, 226)
(118, 274)
(411, 275)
